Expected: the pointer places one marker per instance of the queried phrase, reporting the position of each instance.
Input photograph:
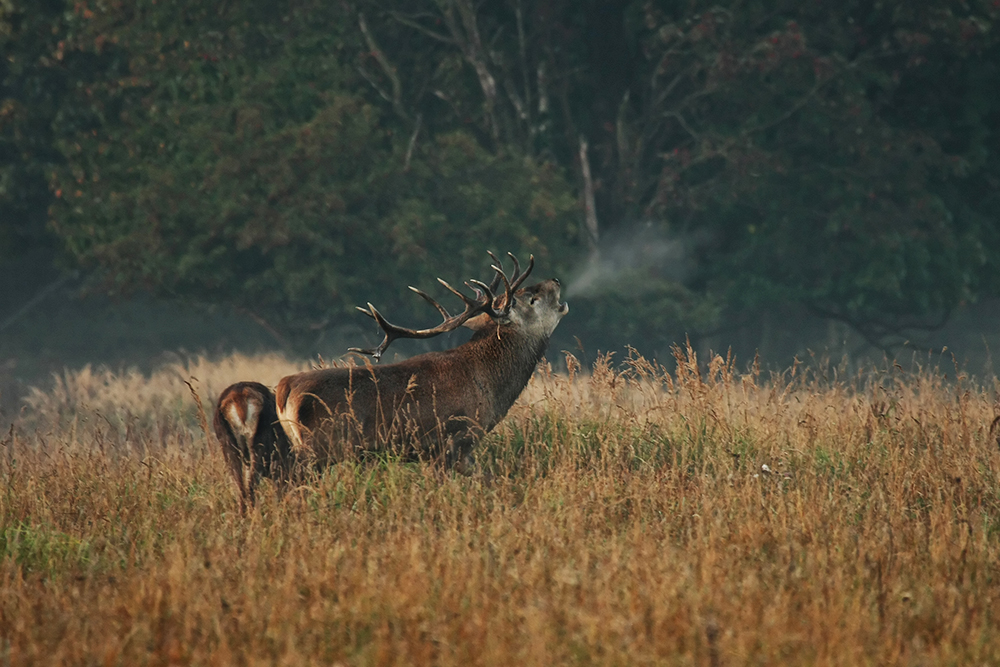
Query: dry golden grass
(629, 520)
(163, 397)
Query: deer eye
(533, 300)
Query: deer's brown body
(253, 442)
(432, 406)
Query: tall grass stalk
(623, 516)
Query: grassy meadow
(624, 515)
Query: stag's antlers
(512, 285)
(485, 301)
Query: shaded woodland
(705, 161)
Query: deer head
(480, 310)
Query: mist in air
(622, 260)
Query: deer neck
(507, 359)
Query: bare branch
(523, 50)
(802, 101)
(665, 93)
(406, 20)
(588, 197)
(683, 123)
(468, 39)
(512, 94)
(266, 326)
(621, 137)
(543, 92)
(659, 66)
(374, 84)
(413, 142)
(38, 298)
(387, 67)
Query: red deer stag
(253, 443)
(435, 405)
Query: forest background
(691, 169)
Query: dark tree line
(295, 158)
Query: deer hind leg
(287, 415)
(281, 462)
(272, 452)
(235, 456)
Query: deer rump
(253, 443)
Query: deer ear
(478, 322)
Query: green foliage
(33, 79)
(811, 150)
(42, 548)
(239, 164)
(297, 158)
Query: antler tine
(513, 283)
(391, 333)
(484, 296)
(517, 267)
(495, 283)
(486, 293)
(452, 289)
(374, 352)
(428, 299)
(483, 302)
(521, 277)
(508, 294)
